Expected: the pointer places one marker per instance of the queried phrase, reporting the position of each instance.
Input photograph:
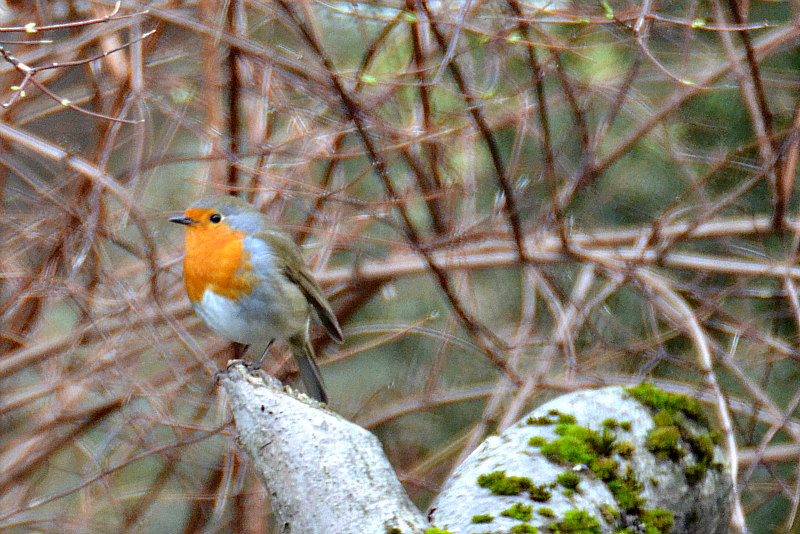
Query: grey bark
(324, 474)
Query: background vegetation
(506, 201)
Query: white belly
(227, 319)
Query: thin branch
(32, 27)
(509, 202)
(354, 114)
(30, 72)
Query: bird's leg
(260, 362)
(238, 352)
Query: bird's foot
(236, 361)
(251, 366)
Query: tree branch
(324, 474)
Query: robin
(248, 282)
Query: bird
(248, 282)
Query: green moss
(663, 418)
(540, 493)
(657, 521)
(576, 431)
(566, 419)
(524, 529)
(609, 513)
(498, 483)
(605, 468)
(545, 512)
(568, 449)
(663, 442)
(672, 426)
(695, 473)
(568, 493)
(435, 530)
(575, 445)
(604, 442)
(626, 491)
(542, 420)
(624, 448)
(394, 530)
(569, 479)
(625, 425)
(579, 445)
(482, 518)
(576, 522)
(702, 446)
(537, 441)
(658, 399)
(552, 417)
(610, 423)
(519, 511)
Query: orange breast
(216, 260)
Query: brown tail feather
(309, 372)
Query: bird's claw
(250, 366)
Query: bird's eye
(215, 218)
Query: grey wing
(304, 279)
(296, 271)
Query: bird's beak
(182, 220)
